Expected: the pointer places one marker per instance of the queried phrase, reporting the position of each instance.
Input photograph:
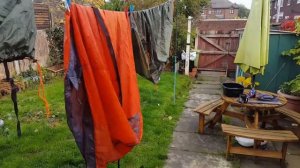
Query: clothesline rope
(68, 5)
(157, 6)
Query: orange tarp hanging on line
(109, 78)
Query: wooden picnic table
(253, 130)
(255, 107)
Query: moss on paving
(49, 143)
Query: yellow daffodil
(240, 79)
(247, 82)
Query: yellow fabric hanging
(252, 55)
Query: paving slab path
(189, 149)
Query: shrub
(294, 52)
(291, 87)
(56, 42)
(31, 77)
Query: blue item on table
(265, 97)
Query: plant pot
(232, 89)
(293, 101)
(193, 73)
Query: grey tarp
(17, 30)
(151, 36)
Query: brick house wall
(231, 13)
(290, 10)
(220, 9)
(211, 13)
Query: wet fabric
(101, 92)
(17, 30)
(151, 35)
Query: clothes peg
(67, 4)
(131, 8)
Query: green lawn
(49, 142)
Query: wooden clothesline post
(188, 46)
(6, 71)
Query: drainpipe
(188, 46)
(278, 10)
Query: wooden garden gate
(217, 51)
(218, 41)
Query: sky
(247, 3)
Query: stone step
(207, 82)
(215, 78)
(207, 86)
(213, 73)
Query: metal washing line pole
(175, 57)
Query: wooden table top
(234, 101)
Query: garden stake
(174, 88)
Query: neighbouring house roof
(221, 4)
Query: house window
(209, 12)
(231, 11)
(288, 3)
(219, 11)
(286, 17)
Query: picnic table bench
(206, 109)
(281, 113)
(289, 113)
(260, 135)
(253, 130)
